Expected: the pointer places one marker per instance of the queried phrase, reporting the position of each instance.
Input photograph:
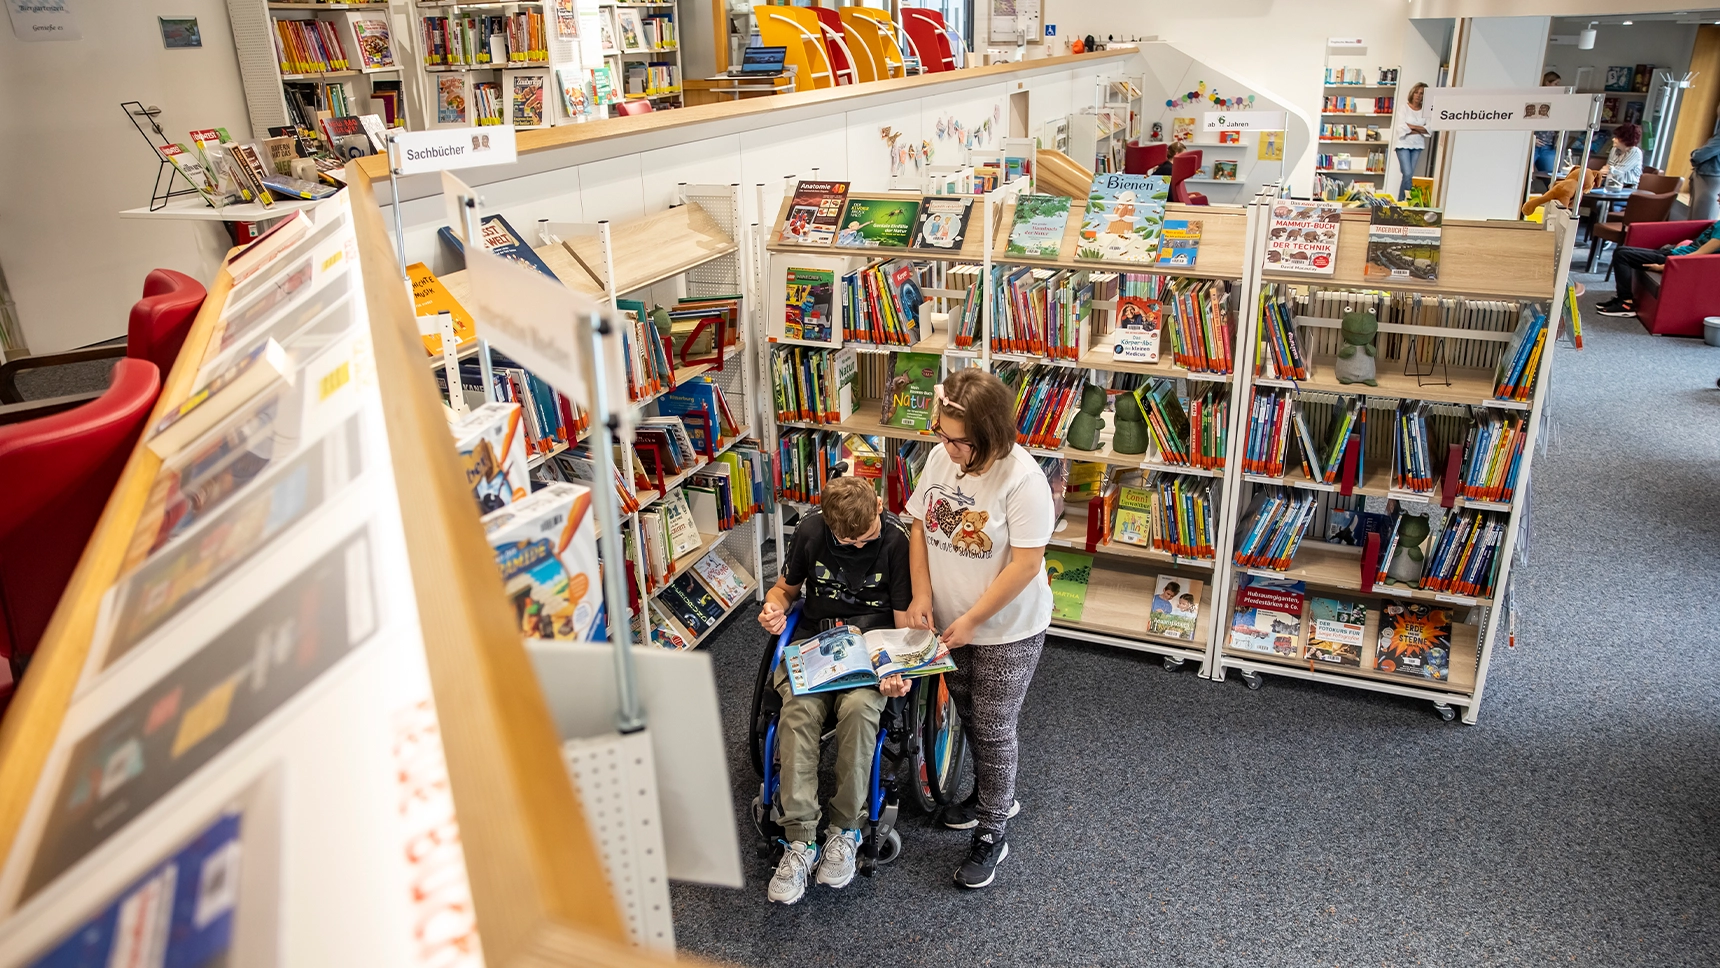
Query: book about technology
(809, 306)
(546, 549)
(1037, 229)
(1268, 616)
(814, 212)
(1175, 608)
(882, 222)
(1069, 573)
(846, 658)
(1179, 243)
(1303, 237)
(1335, 628)
(1123, 219)
(1415, 640)
(491, 442)
(943, 223)
(1403, 244)
(148, 747)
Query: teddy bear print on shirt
(969, 534)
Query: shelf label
(1346, 42)
(449, 148)
(530, 318)
(1530, 109)
(1244, 121)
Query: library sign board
(1243, 121)
(449, 148)
(1529, 109)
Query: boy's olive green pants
(797, 740)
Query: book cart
(1438, 344)
(1123, 574)
(688, 250)
(268, 761)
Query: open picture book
(846, 658)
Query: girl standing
(981, 518)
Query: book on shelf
(1041, 312)
(1464, 559)
(1179, 244)
(1620, 77)
(1070, 573)
(879, 222)
(375, 47)
(309, 47)
(810, 304)
(1224, 170)
(1415, 640)
(881, 303)
(1175, 608)
(700, 404)
(1519, 366)
(725, 581)
(526, 105)
(430, 299)
(502, 239)
(218, 397)
(1492, 457)
(942, 224)
(491, 442)
(546, 548)
(1267, 616)
(1274, 531)
(1303, 236)
(1403, 244)
(1123, 218)
(628, 26)
(814, 213)
(453, 98)
(1335, 630)
(1038, 225)
(1137, 322)
(1278, 352)
(813, 385)
(907, 402)
(578, 93)
(265, 249)
(1412, 454)
(846, 658)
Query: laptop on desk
(760, 62)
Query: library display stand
(286, 664)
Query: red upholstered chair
(1143, 159)
(836, 45)
(627, 108)
(159, 323)
(59, 472)
(931, 38)
(1673, 303)
(1183, 167)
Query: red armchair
(1673, 303)
(1183, 167)
(1144, 159)
(159, 323)
(836, 46)
(59, 472)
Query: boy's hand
(920, 613)
(772, 618)
(893, 686)
(959, 633)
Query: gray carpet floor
(1168, 820)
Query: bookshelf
(1438, 344)
(657, 29)
(1350, 107)
(366, 58)
(688, 250)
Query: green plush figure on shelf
(1405, 567)
(1131, 435)
(1355, 363)
(1084, 429)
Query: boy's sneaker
(987, 852)
(788, 884)
(836, 862)
(965, 815)
(1616, 307)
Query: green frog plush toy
(1131, 435)
(1355, 363)
(1084, 429)
(1405, 566)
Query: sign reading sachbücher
(449, 148)
(1529, 109)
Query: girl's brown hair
(986, 407)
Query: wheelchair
(920, 746)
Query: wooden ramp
(1060, 175)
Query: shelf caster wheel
(1253, 680)
(1446, 711)
(1173, 663)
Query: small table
(1603, 197)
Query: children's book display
(1123, 218)
(878, 222)
(1069, 573)
(845, 658)
(815, 213)
(546, 548)
(810, 304)
(1268, 616)
(1179, 244)
(1175, 607)
(1335, 630)
(1303, 237)
(943, 223)
(1037, 229)
(1415, 640)
(1403, 244)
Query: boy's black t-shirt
(861, 586)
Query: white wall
(1486, 170)
(1273, 48)
(1657, 42)
(1425, 45)
(75, 267)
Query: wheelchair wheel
(759, 720)
(941, 755)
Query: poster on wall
(1016, 22)
(39, 20)
(1271, 147)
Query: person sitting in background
(1705, 176)
(1164, 168)
(1624, 163)
(1629, 259)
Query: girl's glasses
(938, 428)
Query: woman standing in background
(1411, 138)
(1705, 176)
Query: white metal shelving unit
(620, 56)
(264, 78)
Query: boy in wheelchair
(850, 561)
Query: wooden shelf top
(1461, 670)
(1339, 566)
(1468, 386)
(1074, 537)
(1223, 242)
(1512, 260)
(1117, 594)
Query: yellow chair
(798, 30)
(872, 36)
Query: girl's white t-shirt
(971, 521)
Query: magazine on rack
(845, 658)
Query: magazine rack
(165, 172)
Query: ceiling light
(1586, 39)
